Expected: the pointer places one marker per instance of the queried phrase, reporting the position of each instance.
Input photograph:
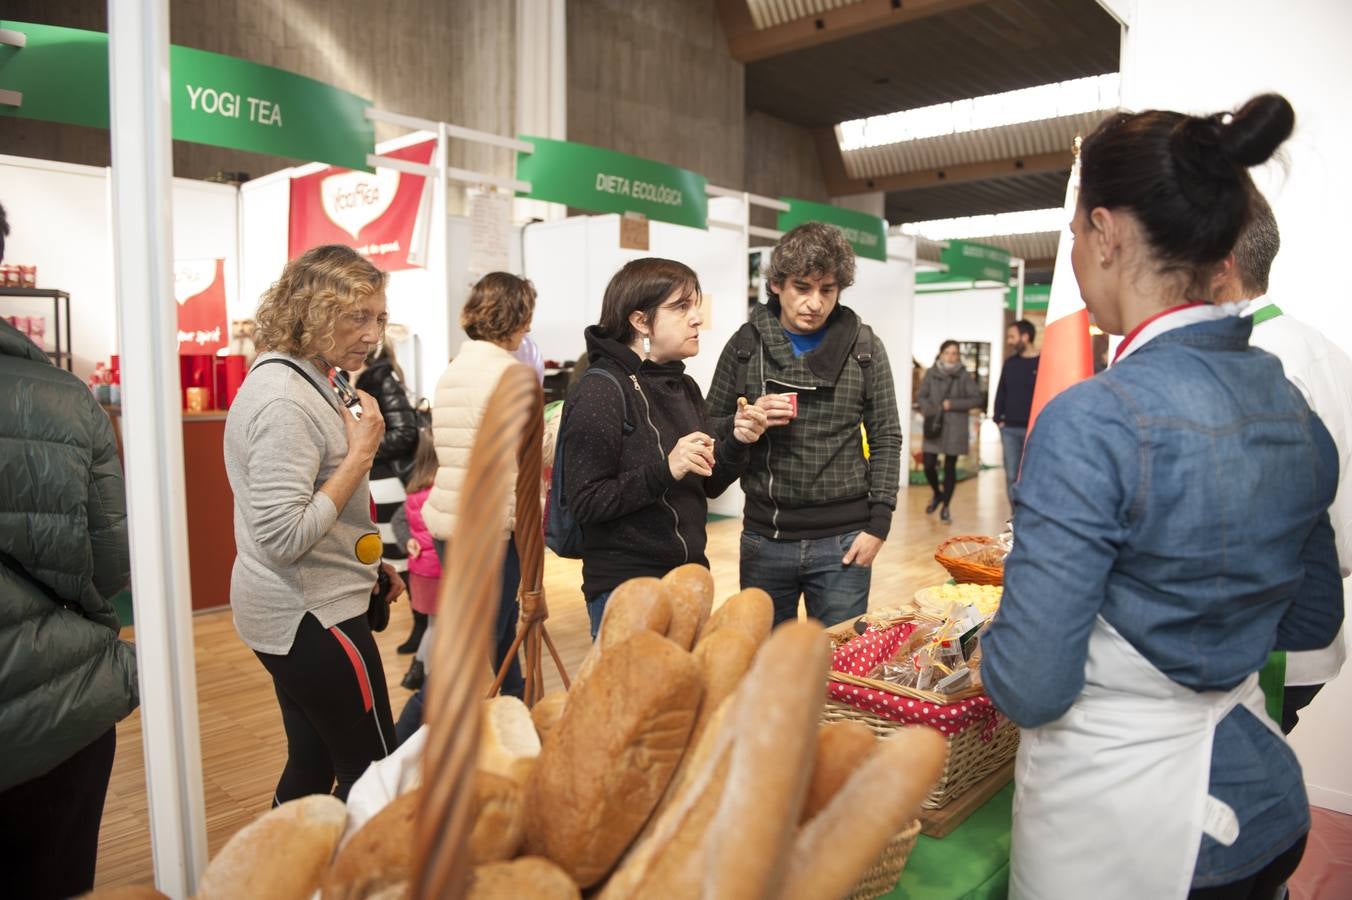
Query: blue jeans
(1012, 439)
(596, 608)
(787, 569)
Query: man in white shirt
(1323, 374)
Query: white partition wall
(883, 295)
(571, 261)
(60, 222)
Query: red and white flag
(1067, 349)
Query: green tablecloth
(972, 863)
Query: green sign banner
(867, 234)
(605, 181)
(977, 262)
(216, 99)
(1035, 297)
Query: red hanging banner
(199, 289)
(375, 213)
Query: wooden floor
(244, 748)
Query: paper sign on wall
(378, 213)
(490, 232)
(199, 291)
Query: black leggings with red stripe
(335, 707)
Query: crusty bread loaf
(841, 842)
(610, 758)
(546, 712)
(508, 742)
(126, 892)
(739, 800)
(532, 877)
(841, 748)
(499, 818)
(400, 891)
(690, 589)
(279, 856)
(380, 854)
(639, 604)
(751, 611)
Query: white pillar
(541, 84)
(152, 435)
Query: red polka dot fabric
(866, 652)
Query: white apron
(1111, 800)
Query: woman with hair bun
(1172, 530)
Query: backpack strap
(308, 380)
(745, 343)
(863, 355)
(628, 424)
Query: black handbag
(934, 425)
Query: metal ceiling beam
(838, 183)
(748, 45)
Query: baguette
(508, 742)
(839, 844)
(841, 748)
(499, 818)
(378, 855)
(738, 804)
(690, 589)
(753, 831)
(751, 611)
(281, 855)
(611, 756)
(528, 877)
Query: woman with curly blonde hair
(298, 452)
(496, 317)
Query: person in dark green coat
(65, 677)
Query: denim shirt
(1183, 495)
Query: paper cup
(792, 397)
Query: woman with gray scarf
(946, 394)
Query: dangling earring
(647, 347)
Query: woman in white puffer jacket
(496, 317)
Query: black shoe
(933, 504)
(414, 677)
(944, 516)
(415, 637)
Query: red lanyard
(1135, 332)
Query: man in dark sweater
(1014, 397)
(817, 512)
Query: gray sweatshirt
(295, 552)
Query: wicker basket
(970, 759)
(960, 556)
(883, 876)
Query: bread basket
(973, 558)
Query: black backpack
(747, 341)
(563, 533)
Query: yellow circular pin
(369, 548)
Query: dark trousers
(950, 475)
(1294, 699)
(1262, 885)
(49, 826)
(335, 707)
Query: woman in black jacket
(382, 378)
(641, 495)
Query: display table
(972, 863)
